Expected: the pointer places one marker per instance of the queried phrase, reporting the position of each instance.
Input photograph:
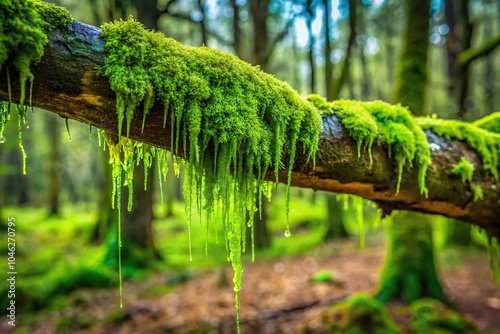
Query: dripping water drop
(287, 233)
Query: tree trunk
(106, 215)
(328, 49)
(335, 219)
(310, 53)
(260, 12)
(139, 249)
(54, 181)
(334, 92)
(409, 269)
(458, 234)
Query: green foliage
(322, 276)
(387, 124)
(477, 192)
(486, 143)
(490, 123)
(214, 100)
(360, 314)
(432, 316)
(465, 169)
(76, 320)
(53, 16)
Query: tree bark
(55, 160)
(67, 83)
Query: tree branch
(67, 83)
(469, 55)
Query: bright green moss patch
(392, 125)
(360, 314)
(233, 122)
(464, 169)
(432, 316)
(23, 28)
(486, 143)
(53, 16)
(477, 192)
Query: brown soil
(278, 296)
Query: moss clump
(432, 316)
(237, 121)
(477, 192)
(23, 28)
(27, 22)
(490, 123)
(392, 125)
(464, 169)
(53, 16)
(486, 143)
(360, 314)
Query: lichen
(231, 121)
(464, 169)
(385, 124)
(485, 143)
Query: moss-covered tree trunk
(105, 213)
(54, 183)
(459, 234)
(409, 271)
(335, 219)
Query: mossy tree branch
(469, 55)
(67, 83)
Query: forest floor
(277, 295)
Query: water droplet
(2, 139)
(287, 233)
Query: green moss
(431, 316)
(53, 16)
(23, 28)
(360, 314)
(386, 124)
(477, 192)
(408, 272)
(465, 169)
(238, 121)
(490, 123)
(485, 143)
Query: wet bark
(67, 83)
